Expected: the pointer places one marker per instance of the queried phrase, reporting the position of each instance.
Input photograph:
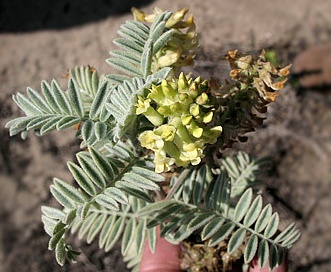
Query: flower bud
(143, 107)
(195, 109)
(202, 99)
(207, 117)
(182, 81)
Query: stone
(313, 67)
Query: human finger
(256, 268)
(165, 258)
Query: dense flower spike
(182, 46)
(263, 75)
(254, 84)
(182, 112)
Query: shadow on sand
(23, 16)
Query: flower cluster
(243, 100)
(261, 74)
(182, 46)
(182, 112)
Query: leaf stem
(179, 181)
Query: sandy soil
(42, 39)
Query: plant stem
(179, 181)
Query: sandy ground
(42, 39)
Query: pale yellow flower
(150, 140)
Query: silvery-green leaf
(128, 235)
(82, 179)
(128, 45)
(60, 253)
(75, 98)
(60, 98)
(90, 169)
(49, 125)
(273, 258)
(200, 219)
(62, 198)
(291, 239)
(272, 226)
(87, 223)
(117, 195)
(49, 224)
(100, 130)
(26, 105)
(211, 228)
(55, 239)
(141, 194)
(70, 216)
(38, 121)
(243, 205)
(99, 100)
(59, 227)
(49, 96)
(106, 230)
(263, 218)
(199, 185)
(253, 212)
(146, 58)
(285, 233)
(127, 33)
(114, 233)
(165, 214)
(162, 40)
(263, 253)
(76, 225)
(152, 238)
(142, 171)
(53, 213)
(140, 181)
(69, 191)
(38, 101)
(82, 210)
(125, 55)
(67, 121)
(96, 227)
(140, 235)
(183, 231)
(250, 248)
(188, 184)
(236, 240)
(107, 202)
(103, 165)
(221, 234)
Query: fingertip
(165, 258)
(256, 268)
